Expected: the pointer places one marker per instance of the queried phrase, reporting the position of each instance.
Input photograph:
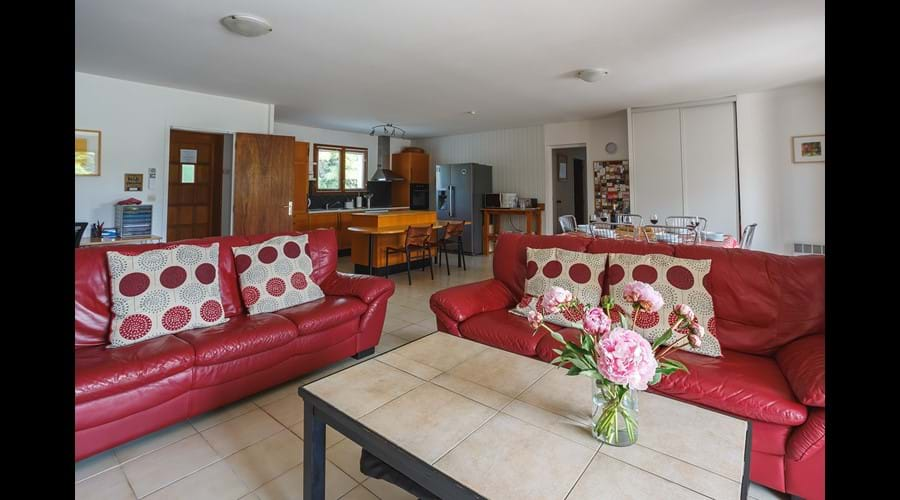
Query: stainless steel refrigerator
(460, 194)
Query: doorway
(569, 184)
(195, 186)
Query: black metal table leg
(313, 454)
(371, 251)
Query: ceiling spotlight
(473, 112)
(387, 129)
(592, 75)
(246, 25)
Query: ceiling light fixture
(387, 129)
(473, 112)
(592, 75)
(246, 25)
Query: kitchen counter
(403, 217)
(353, 210)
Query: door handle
(290, 207)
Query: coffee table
(465, 420)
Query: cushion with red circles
(578, 272)
(275, 274)
(679, 281)
(163, 291)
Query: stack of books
(134, 220)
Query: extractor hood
(384, 158)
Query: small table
(374, 232)
(127, 240)
(533, 218)
(466, 420)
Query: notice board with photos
(611, 186)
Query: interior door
(263, 183)
(194, 186)
(656, 163)
(301, 183)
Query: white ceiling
(421, 64)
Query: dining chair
(747, 236)
(79, 232)
(634, 219)
(616, 230)
(567, 223)
(688, 221)
(453, 234)
(675, 235)
(418, 239)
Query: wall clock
(611, 147)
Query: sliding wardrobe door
(709, 153)
(656, 163)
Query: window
(340, 168)
(187, 173)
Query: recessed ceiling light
(593, 74)
(247, 25)
(473, 113)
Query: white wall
(135, 119)
(786, 199)
(516, 156)
(339, 138)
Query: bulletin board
(611, 186)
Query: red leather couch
(124, 393)
(770, 317)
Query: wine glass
(603, 216)
(654, 219)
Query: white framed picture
(808, 149)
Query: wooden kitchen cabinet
(326, 220)
(345, 237)
(413, 167)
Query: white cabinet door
(656, 163)
(709, 161)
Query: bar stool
(417, 240)
(453, 234)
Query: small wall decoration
(563, 166)
(134, 182)
(87, 152)
(808, 149)
(611, 186)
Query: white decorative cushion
(578, 272)
(679, 281)
(163, 291)
(275, 274)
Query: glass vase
(615, 415)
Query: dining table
(728, 242)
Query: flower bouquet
(619, 359)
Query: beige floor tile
(364, 387)
(216, 482)
(498, 461)
(359, 493)
(240, 432)
(110, 485)
(760, 492)
(153, 441)
(217, 416)
(413, 332)
(389, 342)
(346, 456)
(274, 394)
(386, 491)
(410, 366)
(95, 465)
(441, 351)
(501, 371)
(261, 462)
(251, 496)
(392, 323)
(289, 486)
(160, 468)
(472, 390)
(288, 411)
(411, 315)
(428, 420)
(621, 480)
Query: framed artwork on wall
(563, 166)
(808, 149)
(87, 152)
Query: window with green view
(340, 168)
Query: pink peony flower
(626, 358)
(694, 340)
(596, 322)
(685, 312)
(697, 328)
(535, 319)
(554, 297)
(643, 295)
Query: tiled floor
(252, 449)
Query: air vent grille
(808, 249)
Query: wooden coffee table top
(509, 426)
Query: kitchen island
(382, 230)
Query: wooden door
(194, 186)
(301, 176)
(263, 183)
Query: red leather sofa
(770, 317)
(124, 393)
